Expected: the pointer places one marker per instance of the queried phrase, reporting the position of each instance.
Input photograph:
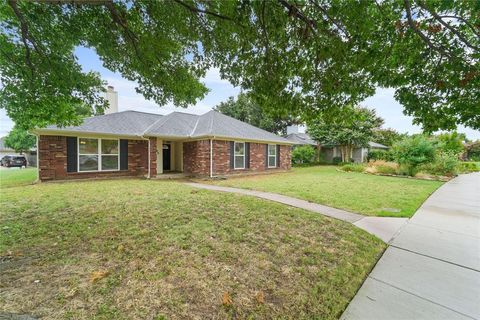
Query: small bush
(353, 167)
(337, 160)
(445, 164)
(413, 152)
(382, 166)
(465, 167)
(386, 170)
(303, 155)
(376, 154)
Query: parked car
(14, 161)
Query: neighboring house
(30, 155)
(300, 139)
(132, 143)
(359, 154)
(328, 152)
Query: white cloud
(213, 77)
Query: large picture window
(272, 155)
(239, 155)
(98, 154)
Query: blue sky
(383, 101)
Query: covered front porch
(169, 157)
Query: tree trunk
(319, 149)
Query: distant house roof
(375, 145)
(301, 139)
(174, 125)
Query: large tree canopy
(296, 57)
(245, 109)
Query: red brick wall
(53, 160)
(52, 157)
(196, 158)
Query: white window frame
(271, 155)
(235, 155)
(99, 154)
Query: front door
(166, 155)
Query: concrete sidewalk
(383, 227)
(432, 268)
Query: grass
(17, 177)
(141, 249)
(358, 192)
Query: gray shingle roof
(130, 123)
(301, 139)
(175, 124)
(372, 144)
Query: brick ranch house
(132, 143)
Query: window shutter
(72, 152)
(266, 156)
(278, 155)
(123, 154)
(247, 155)
(232, 154)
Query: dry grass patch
(136, 249)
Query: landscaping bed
(142, 249)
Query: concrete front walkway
(431, 270)
(384, 228)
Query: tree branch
(25, 34)
(118, 19)
(332, 20)
(467, 23)
(448, 26)
(294, 11)
(198, 10)
(422, 36)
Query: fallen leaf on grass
(260, 297)
(227, 300)
(98, 275)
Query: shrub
(353, 167)
(337, 160)
(382, 166)
(445, 164)
(451, 142)
(303, 155)
(413, 152)
(465, 167)
(386, 170)
(378, 154)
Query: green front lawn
(140, 249)
(17, 177)
(357, 192)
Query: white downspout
(211, 158)
(149, 155)
(38, 162)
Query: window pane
(272, 149)
(239, 148)
(109, 146)
(88, 163)
(271, 161)
(88, 146)
(239, 162)
(109, 162)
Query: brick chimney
(112, 98)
